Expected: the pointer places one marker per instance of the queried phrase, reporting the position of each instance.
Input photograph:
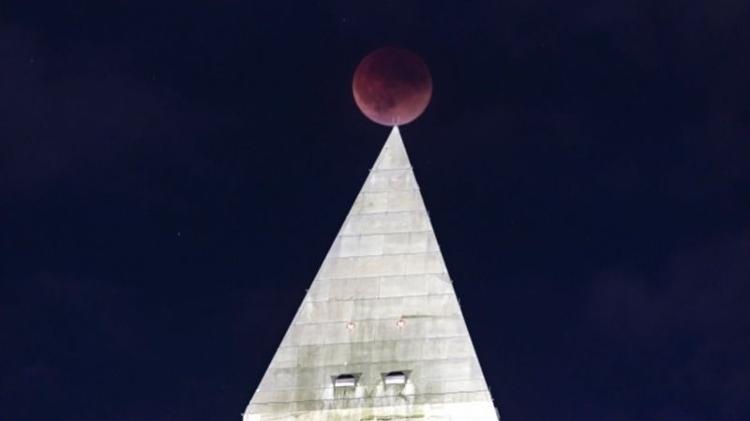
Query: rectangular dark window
(394, 378)
(345, 381)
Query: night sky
(173, 173)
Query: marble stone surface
(382, 301)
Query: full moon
(392, 86)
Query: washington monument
(380, 334)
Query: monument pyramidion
(380, 334)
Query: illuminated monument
(380, 334)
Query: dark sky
(173, 173)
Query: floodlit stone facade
(380, 334)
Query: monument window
(345, 381)
(394, 378)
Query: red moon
(392, 86)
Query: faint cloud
(689, 318)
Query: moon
(392, 86)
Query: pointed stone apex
(393, 156)
(381, 305)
